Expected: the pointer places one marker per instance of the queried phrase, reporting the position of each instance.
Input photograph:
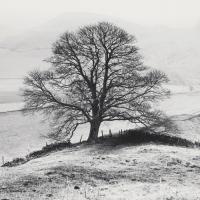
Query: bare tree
(97, 75)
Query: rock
(162, 180)
(134, 161)
(187, 164)
(63, 175)
(113, 182)
(27, 183)
(76, 187)
(103, 188)
(49, 195)
(174, 161)
(72, 175)
(50, 173)
(196, 158)
(133, 179)
(194, 166)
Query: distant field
(20, 134)
(10, 97)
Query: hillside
(106, 172)
(141, 172)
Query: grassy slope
(105, 172)
(125, 172)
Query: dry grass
(107, 172)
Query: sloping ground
(107, 172)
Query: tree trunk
(94, 130)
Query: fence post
(110, 133)
(3, 161)
(81, 138)
(102, 133)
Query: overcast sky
(24, 14)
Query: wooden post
(81, 138)
(110, 133)
(3, 161)
(102, 133)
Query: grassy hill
(106, 172)
(145, 171)
(124, 171)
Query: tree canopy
(97, 75)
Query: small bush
(36, 154)
(49, 148)
(15, 162)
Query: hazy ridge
(175, 51)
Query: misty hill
(175, 51)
